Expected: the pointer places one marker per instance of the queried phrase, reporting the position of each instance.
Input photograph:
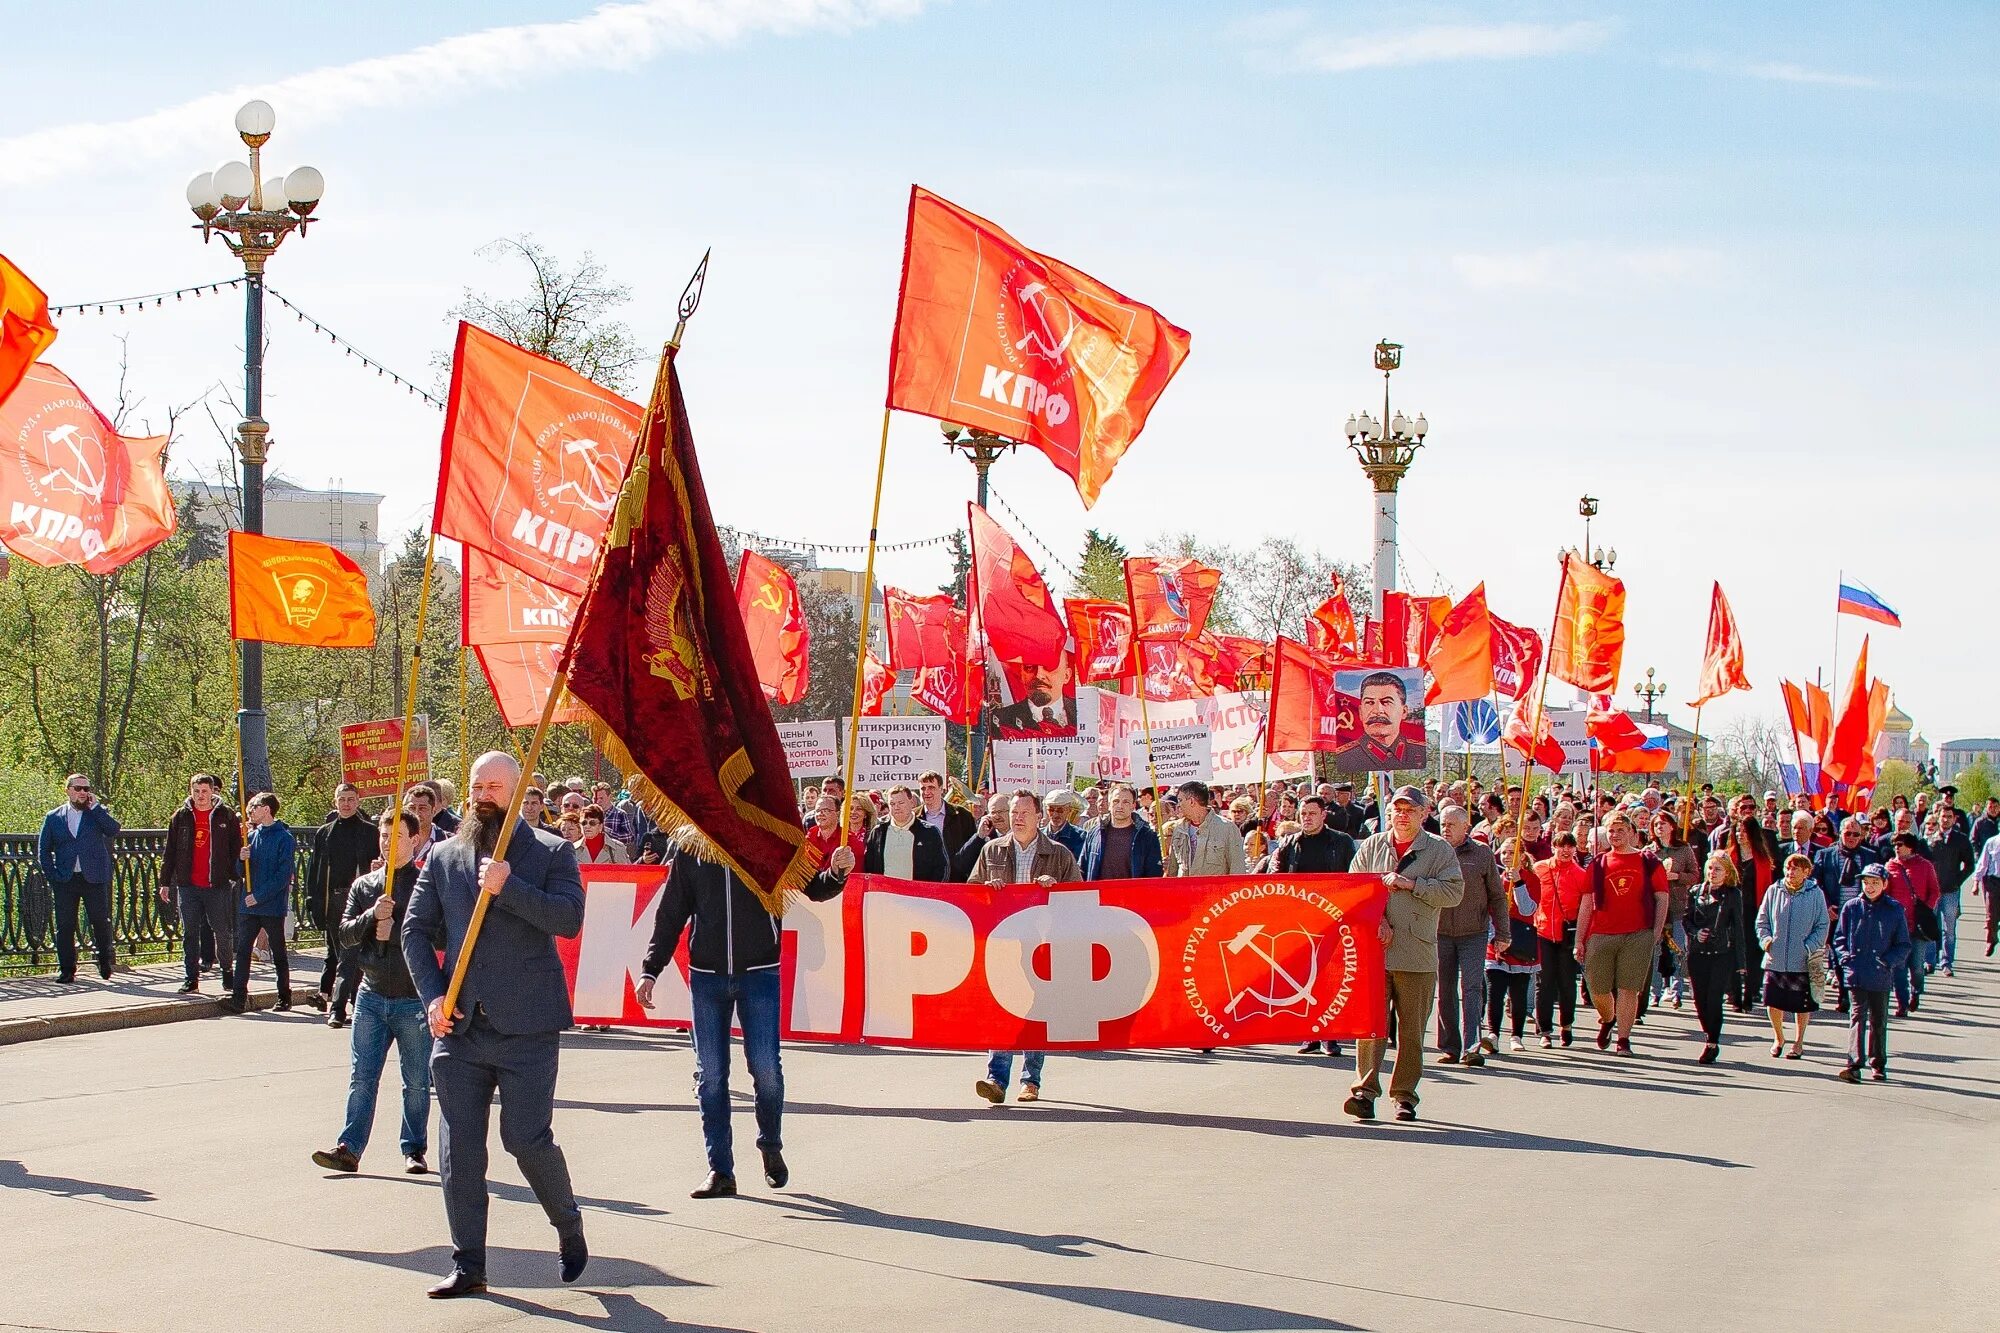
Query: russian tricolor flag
(1857, 599)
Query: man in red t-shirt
(1618, 929)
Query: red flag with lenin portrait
(661, 663)
(991, 334)
(775, 620)
(533, 454)
(73, 490)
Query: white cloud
(1782, 72)
(1447, 42)
(1584, 268)
(610, 36)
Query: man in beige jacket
(1422, 875)
(1023, 855)
(1199, 842)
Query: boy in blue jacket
(268, 867)
(1870, 945)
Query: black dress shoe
(776, 1173)
(458, 1284)
(104, 970)
(235, 1004)
(66, 979)
(575, 1254)
(717, 1186)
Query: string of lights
(356, 353)
(153, 300)
(759, 539)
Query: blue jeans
(1461, 1003)
(1947, 947)
(377, 1023)
(1000, 1067)
(1678, 983)
(752, 999)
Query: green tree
(1975, 783)
(1101, 568)
(961, 568)
(1895, 778)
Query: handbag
(1929, 929)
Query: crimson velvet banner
(1109, 965)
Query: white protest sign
(897, 749)
(1035, 764)
(1570, 728)
(1186, 754)
(809, 749)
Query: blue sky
(1727, 268)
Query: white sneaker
(1516, 1044)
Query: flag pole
(690, 299)
(1541, 707)
(236, 711)
(861, 644)
(1694, 760)
(409, 722)
(1833, 673)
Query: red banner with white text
(1108, 965)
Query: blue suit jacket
(58, 852)
(1145, 850)
(515, 972)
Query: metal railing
(142, 925)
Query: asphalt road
(157, 1179)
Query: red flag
(876, 682)
(1305, 707)
(660, 660)
(1517, 656)
(1846, 758)
(1103, 635)
(1016, 612)
(1819, 708)
(954, 691)
(1410, 626)
(1241, 662)
(1461, 661)
(1529, 732)
(1170, 598)
(775, 619)
(1590, 627)
(1722, 663)
(1331, 628)
(503, 605)
(923, 631)
(74, 491)
(284, 591)
(1183, 670)
(533, 454)
(994, 335)
(25, 330)
(521, 674)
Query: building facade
(349, 521)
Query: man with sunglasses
(75, 855)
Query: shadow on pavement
(16, 1176)
(532, 1269)
(503, 1189)
(817, 1208)
(622, 1312)
(1181, 1311)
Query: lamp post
(253, 216)
(1649, 691)
(983, 448)
(1386, 448)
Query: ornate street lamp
(1386, 448)
(253, 216)
(982, 448)
(1649, 691)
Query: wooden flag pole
(861, 644)
(690, 299)
(236, 711)
(409, 720)
(1694, 758)
(1541, 706)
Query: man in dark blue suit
(75, 855)
(505, 1033)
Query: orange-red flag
(1517, 656)
(991, 334)
(533, 455)
(1305, 707)
(1461, 661)
(283, 591)
(1529, 731)
(502, 605)
(1103, 634)
(923, 631)
(1331, 628)
(25, 330)
(1241, 662)
(1589, 640)
(521, 674)
(1846, 758)
(1019, 618)
(775, 619)
(1183, 669)
(73, 490)
(1722, 663)
(1170, 597)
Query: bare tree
(565, 315)
(1750, 751)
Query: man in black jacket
(733, 948)
(387, 1009)
(904, 845)
(342, 850)
(201, 863)
(1318, 848)
(954, 823)
(1952, 855)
